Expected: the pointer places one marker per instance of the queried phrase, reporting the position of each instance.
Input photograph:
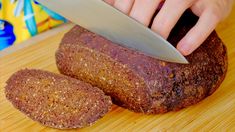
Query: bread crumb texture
(141, 83)
(56, 100)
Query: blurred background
(22, 19)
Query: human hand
(210, 13)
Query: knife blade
(102, 19)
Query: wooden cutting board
(217, 112)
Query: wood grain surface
(217, 112)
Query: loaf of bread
(56, 100)
(139, 82)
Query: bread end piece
(55, 100)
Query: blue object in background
(51, 13)
(0, 4)
(35, 1)
(7, 36)
(29, 18)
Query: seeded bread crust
(141, 83)
(56, 100)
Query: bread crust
(56, 100)
(139, 82)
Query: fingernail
(184, 49)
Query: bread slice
(139, 82)
(56, 100)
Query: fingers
(198, 34)
(124, 5)
(110, 2)
(169, 15)
(143, 10)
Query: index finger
(198, 34)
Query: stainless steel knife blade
(102, 19)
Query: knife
(103, 19)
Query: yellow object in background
(22, 19)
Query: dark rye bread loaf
(141, 83)
(56, 100)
